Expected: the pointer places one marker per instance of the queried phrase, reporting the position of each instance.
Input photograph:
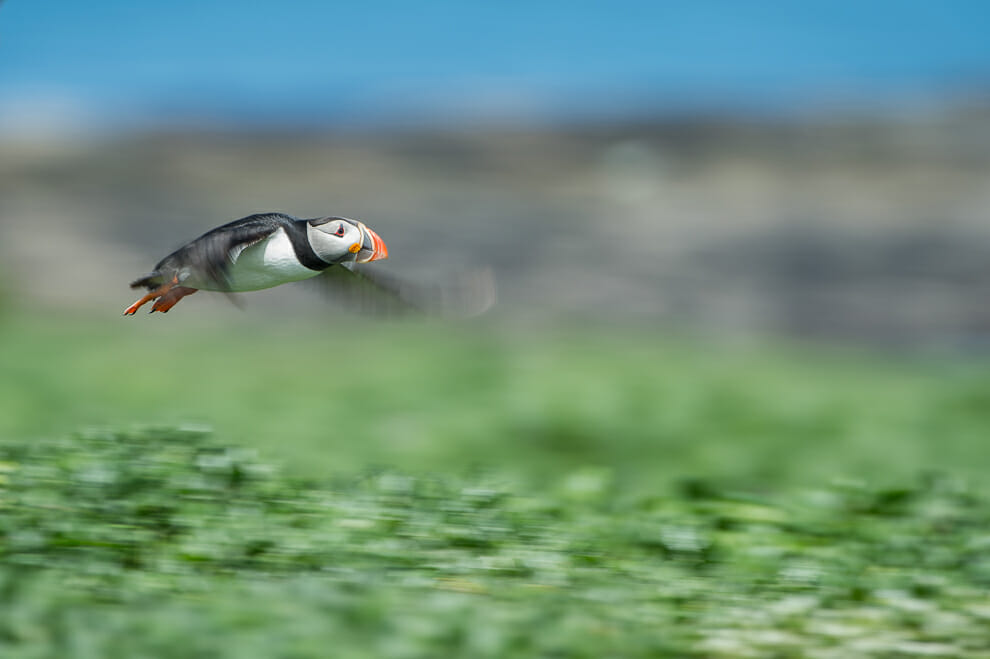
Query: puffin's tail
(149, 281)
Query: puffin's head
(338, 239)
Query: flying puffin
(268, 249)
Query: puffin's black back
(209, 254)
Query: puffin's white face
(338, 240)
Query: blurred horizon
(70, 67)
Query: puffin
(270, 249)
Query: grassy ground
(558, 493)
(334, 397)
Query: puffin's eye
(340, 230)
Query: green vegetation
(334, 396)
(399, 490)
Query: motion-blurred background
(707, 169)
(815, 168)
(733, 400)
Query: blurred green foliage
(167, 543)
(561, 492)
(324, 398)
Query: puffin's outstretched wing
(373, 291)
(211, 255)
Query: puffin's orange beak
(372, 247)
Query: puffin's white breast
(265, 264)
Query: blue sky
(301, 59)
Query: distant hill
(864, 228)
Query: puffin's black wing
(370, 290)
(211, 254)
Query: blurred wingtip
(467, 294)
(374, 291)
(474, 294)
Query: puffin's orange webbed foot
(131, 310)
(158, 292)
(171, 298)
